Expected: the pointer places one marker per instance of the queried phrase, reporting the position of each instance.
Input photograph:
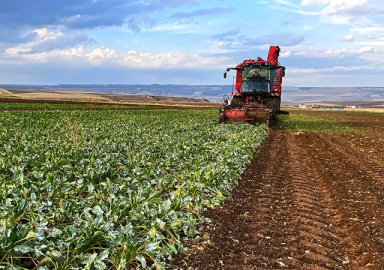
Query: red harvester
(258, 91)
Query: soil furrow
(310, 212)
(306, 201)
(365, 222)
(265, 226)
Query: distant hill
(340, 94)
(214, 93)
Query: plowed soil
(307, 201)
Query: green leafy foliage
(117, 189)
(303, 122)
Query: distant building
(302, 106)
(351, 106)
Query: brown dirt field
(185, 105)
(371, 109)
(306, 201)
(4, 92)
(72, 97)
(370, 124)
(57, 95)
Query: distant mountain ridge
(319, 94)
(215, 93)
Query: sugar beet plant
(112, 190)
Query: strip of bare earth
(307, 201)
(95, 99)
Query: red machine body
(256, 93)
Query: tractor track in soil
(306, 201)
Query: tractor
(257, 97)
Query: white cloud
(377, 29)
(341, 75)
(297, 70)
(221, 46)
(374, 58)
(285, 54)
(289, 6)
(180, 27)
(374, 34)
(73, 52)
(169, 60)
(42, 35)
(102, 55)
(286, 3)
(172, 27)
(344, 11)
(45, 40)
(45, 34)
(351, 68)
(367, 49)
(303, 70)
(55, 45)
(14, 51)
(132, 58)
(334, 11)
(335, 53)
(334, 3)
(314, 2)
(373, 43)
(341, 52)
(296, 10)
(348, 38)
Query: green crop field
(301, 122)
(112, 189)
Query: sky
(326, 43)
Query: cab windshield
(256, 81)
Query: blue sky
(323, 42)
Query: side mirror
(225, 75)
(283, 72)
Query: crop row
(309, 123)
(112, 190)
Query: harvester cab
(258, 90)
